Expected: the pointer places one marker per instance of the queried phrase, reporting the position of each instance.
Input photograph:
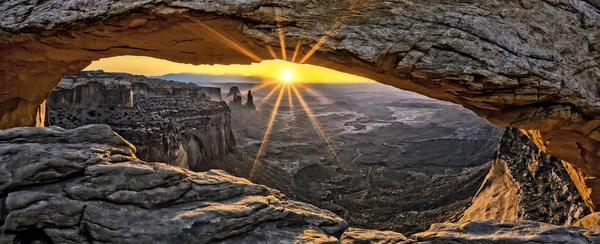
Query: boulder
(506, 232)
(86, 185)
(525, 183)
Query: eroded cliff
(171, 122)
(526, 184)
(86, 186)
(526, 64)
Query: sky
(270, 68)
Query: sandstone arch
(526, 64)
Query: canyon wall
(86, 186)
(526, 184)
(171, 122)
(526, 64)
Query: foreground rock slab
(86, 185)
(506, 232)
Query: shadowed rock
(527, 64)
(526, 184)
(250, 101)
(85, 185)
(506, 232)
(171, 122)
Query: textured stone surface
(506, 232)
(590, 221)
(526, 184)
(171, 122)
(86, 185)
(358, 236)
(527, 64)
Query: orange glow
(226, 40)
(289, 92)
(267, 134)
(272, 52)
(320, 43)
(287, 76)
(296, 51)
(304, 73)
(334, 27)
(281, 35)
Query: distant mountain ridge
(208, 79)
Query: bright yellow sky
(270, 68)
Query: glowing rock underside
(527, 64)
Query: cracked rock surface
(86, 185)
(526, 184)
(526, 64)
(506, 232)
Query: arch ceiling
(526, 64)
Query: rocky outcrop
(86, 185)
(394, 175)
(171, 122)
(590, 221)
(358, 236)
(526, 64)
(530, 65)
(526, 184)
(233, 91)
(213, 92)
(236, 102)
(92, 93)
(250, 101)
(506, 232)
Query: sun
(287, 76)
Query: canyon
(86, 185)
(432, 145)
(171, 122)
(531, 65)
(526, 65)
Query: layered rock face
(526, 184)
(86, 186)
(170, 122)
(531, 65)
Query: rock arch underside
(526, 64)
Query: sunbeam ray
(292, 115)
(280, 32)
(322, 41)
(225, 40)
(264, 100)
(315, 123)
(267, 134)
(272, 52)
(261, 86)
(291, 102)
(328, 34)
(298, 45)
(323, 99)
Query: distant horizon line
(235, 74)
